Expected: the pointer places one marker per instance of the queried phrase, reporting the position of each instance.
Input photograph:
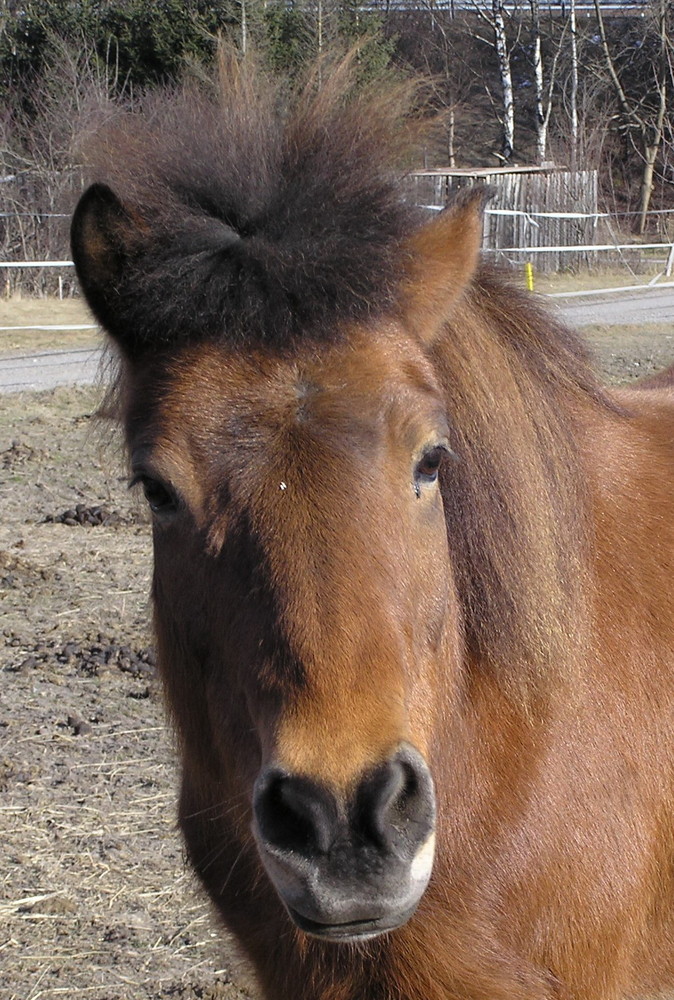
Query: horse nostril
(395, 804)
(392, 811)
(294, 814)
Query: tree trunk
(503, 56)
(574, 85)
(450, 139)
(652, 148)
(541, 118)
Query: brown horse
(413, 566)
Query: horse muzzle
(348, 868)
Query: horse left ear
(444, 255)
(101, 235)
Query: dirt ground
(95, 898)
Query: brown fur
(314, 608)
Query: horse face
(304, 607)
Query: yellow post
(529, 272)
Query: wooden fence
(531, 207)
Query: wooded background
(586, 85)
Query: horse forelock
(257, 216)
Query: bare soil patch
(95, 898)
(628, 352)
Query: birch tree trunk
(450, 138)
(541, 118)
(543, 88)
(501, 45)
(574, 85)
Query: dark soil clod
(87, 517)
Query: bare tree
(543, 88)
(497, 21)
(642, 119)
(41, 174)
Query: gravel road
(27, 372)
(652, 305)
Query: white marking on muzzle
(420, 869)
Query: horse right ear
(101, 235)
(444, 257)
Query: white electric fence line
(34, 215)
(435, 208)
(580, 249)
(37, 263)
(545, 215)
(556, 215)
(584, 292)
(35, 326)
(530, 215)
(587, 248)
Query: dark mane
(261, 214)
(516, 383)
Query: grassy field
(564, 281)
(32, 313)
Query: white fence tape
(36, 263)
(583, 292)
(33, 326)
(34, 215)
(556, 215)
(581, 249)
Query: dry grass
(566, 281)
(31, 313)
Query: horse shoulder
(650, 404)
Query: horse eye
(428, 465)
(160, 499)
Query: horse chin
(352, 932)
(339, 910)
(326, 902)
(346, 916)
